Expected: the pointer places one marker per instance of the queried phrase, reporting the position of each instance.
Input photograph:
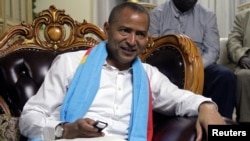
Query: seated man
(109, 83)
(239, 52)
(190, 18)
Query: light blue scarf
(85, 85)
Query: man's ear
(106, 28)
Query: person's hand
(81, 128)
(208, 115)
(244, 62)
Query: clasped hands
(244, 61)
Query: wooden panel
(13, 12)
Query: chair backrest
(51, 30)
(27, 51)
(178, 58)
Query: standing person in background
(238, 46)
(190, 18)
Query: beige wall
(77, 9)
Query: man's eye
(141, 35)
(124, 32)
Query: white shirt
(112, 103)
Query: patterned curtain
(225, 11)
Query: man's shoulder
(72, 55)
(203, 9)
(203, 13)
(149, 68)
(245, 13)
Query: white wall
(77, 9)
(102, 9)
(94, 11)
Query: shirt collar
(107, 66)
(177, 12)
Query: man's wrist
(207, 105)
(59, 130)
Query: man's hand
(244, 62)
(81, 128)
(208, 115)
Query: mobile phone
(100, 125)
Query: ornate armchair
(27, 51)
(178, 58)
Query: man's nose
(131, 39)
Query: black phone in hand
(100, 125)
